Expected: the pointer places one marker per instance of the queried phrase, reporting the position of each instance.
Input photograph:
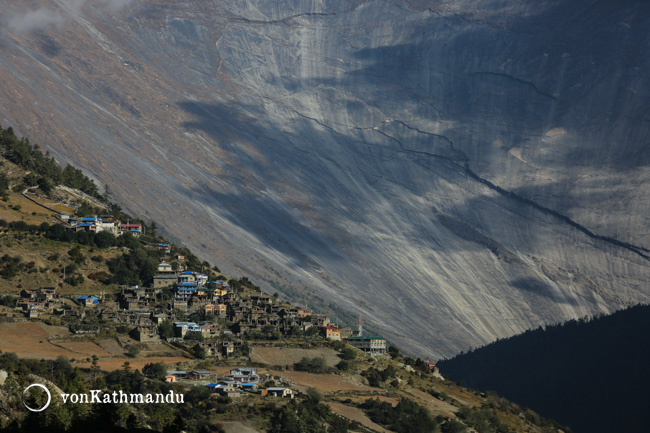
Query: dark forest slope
(590, 375)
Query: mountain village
(74, 313)
(211, 318)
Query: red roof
(332, 328)
(129, 226)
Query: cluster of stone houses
(257, 313)
(138, 298)
(190, 281)
(135, 308)
(192, 293)
(99, 224)
(43, 299)
(244, 379)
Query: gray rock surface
(453, 171)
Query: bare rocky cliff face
(453, 171)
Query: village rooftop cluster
(241, 379)
(210, 316)
(99, 224)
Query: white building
(373, 345)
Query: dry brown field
(110, 364)
(27, 207)
(291, 355)
(435, 406)
(323, 382)
(29, 340)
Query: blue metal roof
(185, 324)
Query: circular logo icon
(47, 391)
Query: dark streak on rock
(469, 233)
(640, 251)
(518, 80)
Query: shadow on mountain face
(539, 288)
(259, 207)
(481, 83)
(48, 45)
(279, 228)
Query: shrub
(199, 352)
(194, 335)
(453, 426)
(406, 417)
(8, 301)
(343, 365)
(311, 365)
(314, 394)
(104, 239)
(74, 280)
(348, 354)
(155, 371)
(482, 419)
(166, 329)
(133, 351)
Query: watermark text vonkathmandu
(115, 397)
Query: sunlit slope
(453, 172)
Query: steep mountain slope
(455, 172)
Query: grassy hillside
(590, 375)
(37, 251)
(37, 260)
(34, 256)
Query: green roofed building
(373, 345)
